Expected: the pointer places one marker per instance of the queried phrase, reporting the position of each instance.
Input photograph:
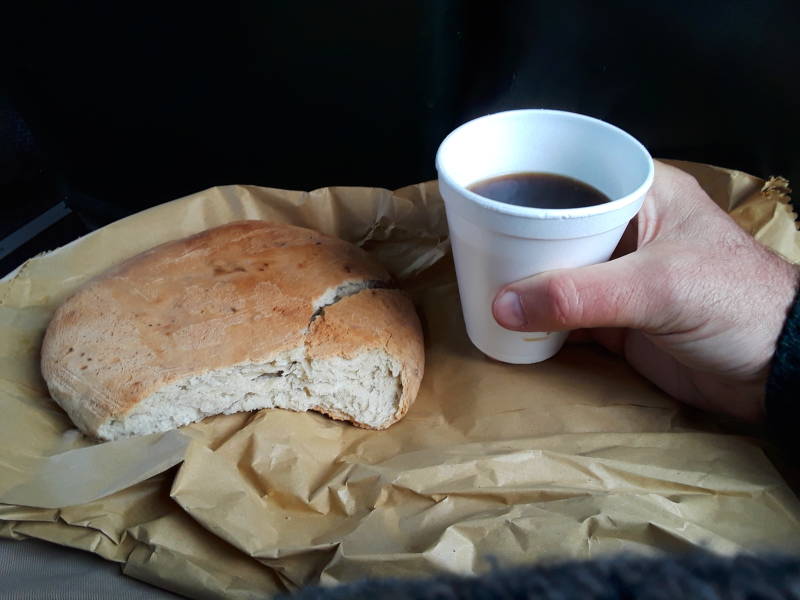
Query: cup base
(542, 352)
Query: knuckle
(688, 182)
(675, 176)
(562, 297)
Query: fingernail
(508, 310)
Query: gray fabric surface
(32, 569)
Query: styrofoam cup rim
(548, 213)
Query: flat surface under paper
(574, 457)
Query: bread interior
(365, 388)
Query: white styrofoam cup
(496, 243)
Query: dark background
(112, 108)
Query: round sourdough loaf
(241, 317)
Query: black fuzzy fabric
(695, 576)
(783, 385)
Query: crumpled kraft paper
(574, 457)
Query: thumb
(619, 293)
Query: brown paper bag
(574, 457)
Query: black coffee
(539, 190)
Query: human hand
(693, 302)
